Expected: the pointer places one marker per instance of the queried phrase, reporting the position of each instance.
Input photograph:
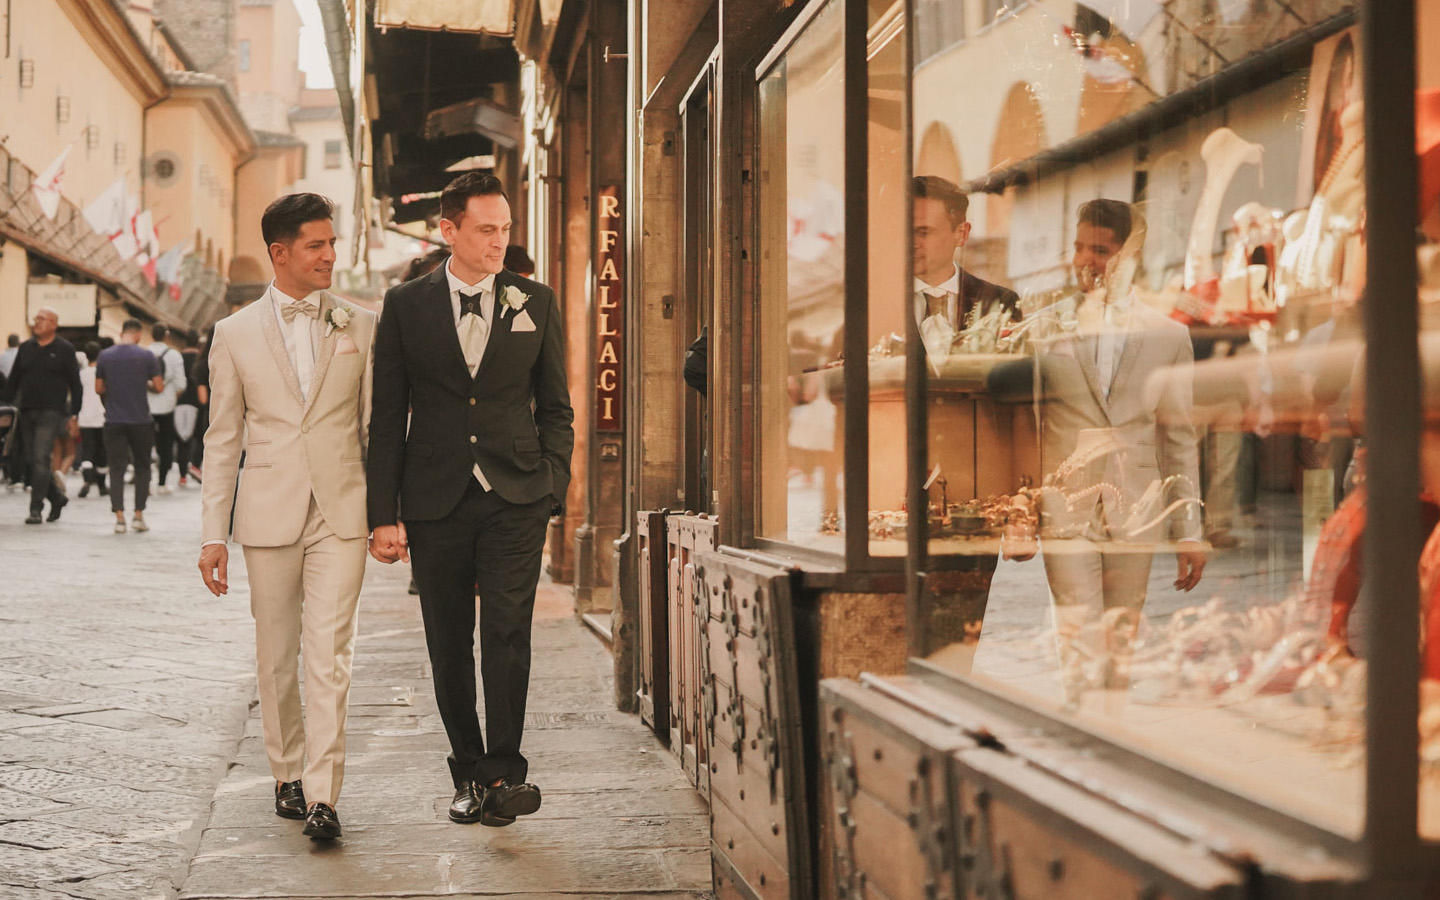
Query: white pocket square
(345, 345)
(522, 322)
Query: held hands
(214, 562)
(1189, 564)
(389, 544)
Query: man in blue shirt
(125, 375)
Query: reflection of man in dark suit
(942, 286)
(946, 300)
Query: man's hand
(1189, 564)
(388, 543)
(214, 563)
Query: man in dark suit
(942, 286)
(474, 355)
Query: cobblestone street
(131, 762)
(123, 691)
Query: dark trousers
(38, 430)
(124, 444)
(164, 443)
(497, 544)
(92, 451)
(197, 440)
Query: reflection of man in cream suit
(1118, 447)
(290, 380)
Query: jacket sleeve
(367, 391)
(223, 441)
(554, 418)
(389, 409)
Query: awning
(493, 17)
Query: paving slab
(618, 819)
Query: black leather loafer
(502, 804)
(322, 824)
(465, 808)
(289, 800)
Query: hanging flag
(167, 268)
(147, 240)
(125, 241)
(106, 213)
(47, 185)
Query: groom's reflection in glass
(1118, 450)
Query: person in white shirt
(162, 405)
(92, 427)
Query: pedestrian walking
(201, 374)
(92, 427)
(7, 357)
(187, 414)
(162, 405)
(126, 375)
(290, 380)
(46, 378)
(472, 434)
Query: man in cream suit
(290, 379)
(1118, 446)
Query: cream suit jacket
(294, 448)
(1142, 429)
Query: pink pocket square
(345, 345)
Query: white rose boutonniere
(337, 317)
(513, 298)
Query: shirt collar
(1123, 305)
(950, 285)
(456, 285)
(284, 299)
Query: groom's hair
(284, 218)
(458, 193)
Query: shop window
(800, 465)
(333, 151)
(1143, 487)
(939, 25)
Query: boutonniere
(336, 318)
(513, 298)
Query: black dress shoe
(322, 824)
(55, 507)
(465, 808)
(289, 800)
(33, 519)
(503, 803)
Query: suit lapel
(1128, 355)
(325, 354)
(1085, 348)
(271, 328)
(439, 319)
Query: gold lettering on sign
(609, 314)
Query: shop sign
(609, 321)
(75, 303)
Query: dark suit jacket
(513, 418)
(975, 291)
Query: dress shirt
(301, 337)
(1112, 330)
(486, 287)
(949, 289)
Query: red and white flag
(147, 240)
(167, 268)
(47, 185)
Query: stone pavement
(619, 818)
(123, 692)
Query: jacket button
(472, 438)
(472, 401)
(305, 429)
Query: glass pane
(1140, 341)
(801, 199)
(887, 206)
(1427, 145)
